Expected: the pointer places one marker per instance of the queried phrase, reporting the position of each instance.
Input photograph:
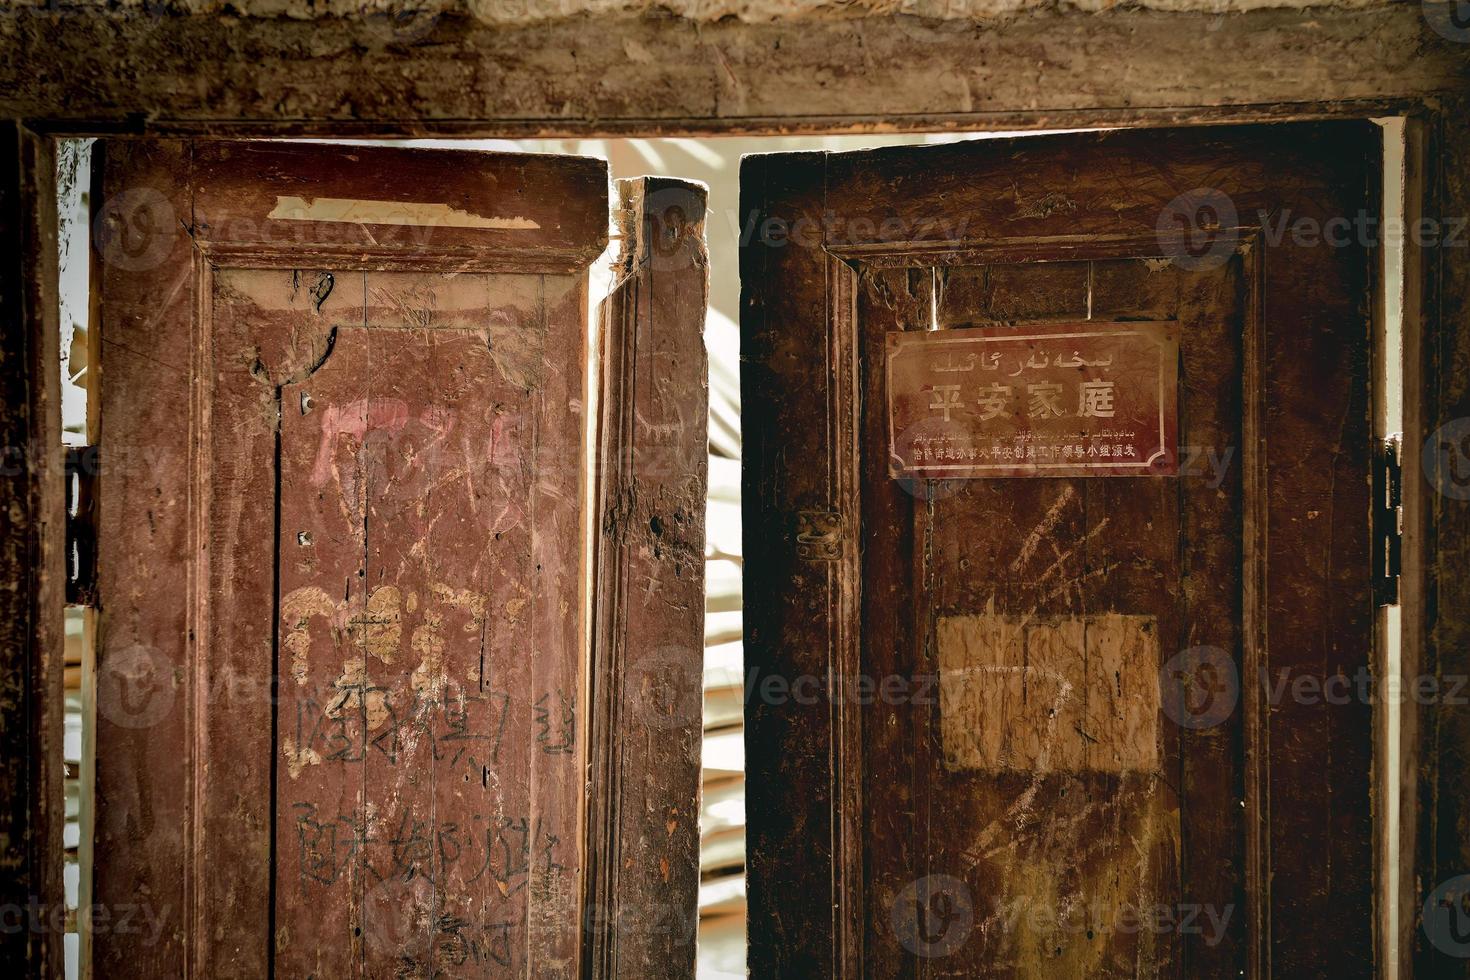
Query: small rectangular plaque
(1071, 399)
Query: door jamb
(1435, 593)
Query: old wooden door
(344, 691)
(1057, 672)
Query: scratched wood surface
(356, 447)
(1251, 833)
(648, 616)
(32, 545)
(1079, 694)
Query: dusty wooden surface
(613, 72)
(512, 12)
(1272, 572)
(359, 472)
(1070, 695)
(32, 537)
(647, 668)
(1436, 777)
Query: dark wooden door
(344, 687)
(1066, 726)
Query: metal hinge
(81, 528)
(1388, 519)
(819, 535)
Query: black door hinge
(81, 527)
(1388, 520)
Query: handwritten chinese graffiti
(400, 858)
(407, 759)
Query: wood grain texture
(32, 541)
(1070, 695)
(648, 611)
(1436, 809)
(1273, 572)
(151, 71)
(342, 578)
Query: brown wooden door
(1065, 726)
(343, 682)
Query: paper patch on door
(1064, 694)
(1070, 399)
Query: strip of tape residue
(353, 211)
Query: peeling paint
(298, 759)
(343, 210)
(297, 609)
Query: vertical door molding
(641, 909)
(1435, 785)
(32, 542)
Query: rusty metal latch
(1388, 519)
(81, 527)
(819, 535)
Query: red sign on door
(1072, 399)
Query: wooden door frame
(1390, 64)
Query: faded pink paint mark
(356, 419)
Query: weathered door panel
(342, 697)
(648, 660)
(1037, 787)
